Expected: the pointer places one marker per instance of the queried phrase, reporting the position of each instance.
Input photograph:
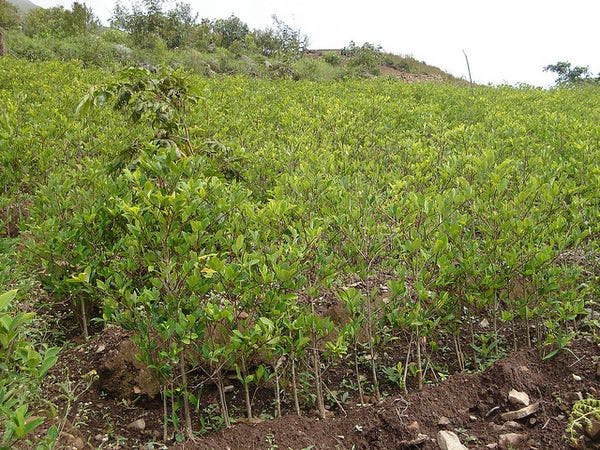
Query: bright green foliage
(582, 416)
(217, 219)
(22, 367)
(58, 21)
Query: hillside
(269, 262)
(23, 5)
(402, 67)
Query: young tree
(231, 30)
(57, 21)
(150, 19)
(567, 74)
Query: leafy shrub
(332, 58)
(23, 367)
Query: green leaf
(6, 298)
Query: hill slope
(23, 5)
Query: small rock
(137, 390)
(227, 389)
(138, 425)
(518, 398)
(413, 427)
(447, 440)
(572, 397)
(532, 421)
(577, 377)
(512, 424)
(328, 414)
(472, 418)
(444, 422)
(101, 348)
(560, 417)
(512, 440)
(521, 413)
(593, 430)
(492, 445)
(101, 437)
(484, 323)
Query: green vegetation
(216, 219)
(568, 75)
(150, 33)
(583, 420)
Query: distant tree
(147, 20)
(365, 58)
(58, 21)
(282, 39)
(9, 15)
(231, 30)
(566, 74)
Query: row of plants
(219, 220)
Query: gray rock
(444, 422)
(518, 398)
(413, 426)
(138, 425)
(521, 413)
(447, 440)
(512, 424)
(512, 440)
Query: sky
(507, 41)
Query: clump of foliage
(23, 366)
(566, 74)
(581, 420)
(61, 22)
(147, 21)
(365, 58)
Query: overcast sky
(507, 41)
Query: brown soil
(123, 392)
(473, 403)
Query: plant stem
(295, 386)
(277, 394)
(358, 382)
(84, 319)
(246, 389)
(186, 400)
(222, 399)
(165, 415)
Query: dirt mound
(103, 412)
(100, 388)
(472, 404)
(120, 373)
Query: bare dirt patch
(102, 411)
